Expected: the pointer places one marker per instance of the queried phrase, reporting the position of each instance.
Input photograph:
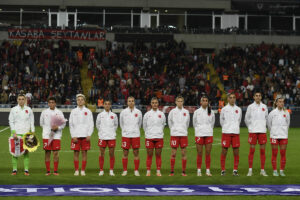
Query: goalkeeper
(21, 121)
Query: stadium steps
(215, 79)
(86, 84)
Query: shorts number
(124, 144)
(45, 145)
(73, 145)
(273, 140)
(100, 142)
(173, 142)
(147, 144)
(198, 139)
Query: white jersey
(278, 123)
(107, 124)
(21, 120)
(203, 123)
(45, 123)
(131, 122)
(81, 122)
(178, 121)
(256, 118)
(153, 124)
(230, 119)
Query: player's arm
(61, 127)
(145, 121)
(116, 122)
(188, 120)
(222, 117)
(42, 119)
(170, 119)
(91, 124)
(195, 119)
(288, 118)
(98, 122)
(269, 122)
(11, 119)
(240, 115)
(121, 120)
(32, 121)
(213, 119)
(71, 124)
(248, 117)
(140, 119)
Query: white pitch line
(4, 129)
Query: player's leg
(149, 160)
(208, 148)
(47, 161)
(101, 160)
(172, 161)
(136, 162)
(263, 159)
(158, 160)
(83, 162)
(76, 162)
(223, 159)
(14, 161)
(55, 162)
(199, 148)
(26, 163)
(125, 161)
(274, 145)
(183, 160)
(125, 146)
(111, 160)
(252, 140)
(236, 161)
(282, 147)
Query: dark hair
(257, 91)
(208, 107)
(154, 98)
(107, 100)
(52, 99)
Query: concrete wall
(203, 4)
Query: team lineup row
(81, 124)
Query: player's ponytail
(208, 106)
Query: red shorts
(105, 143)
(175, 141)
(260, 138)
(279, 141)
(230, 139)
(204, 140)
(154, 143)
(53, 146)
(133, 142)
(81, 144)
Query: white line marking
(4, 129)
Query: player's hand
(88, 138)
(75, 140)
(15, 136)
(54, 128)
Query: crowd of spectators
(40, 69)
(162, 70)
(272, 69)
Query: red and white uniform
(230, 119)
(178, 121)
(204, 125)
(81, 125)
(278, 124)
(256, 121)
(45, 123)
(130, 123)
(153, 124)
(107, 124)
(21, 120)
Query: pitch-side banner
(146, 190)
(93, 35)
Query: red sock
(125, 163)
(199, 161)
(148, 162)
(101, 162)
(136, 164)
(55, 166)
(223, 159)
(250, 157)
(282, 158)
(183, 161)
(158, 162)
(47, 163)
(112, 162)
(236, 162)
(172, 164)
(274, 158)
(76, 165)
(207, 161)
(262, 158)
(83, 165)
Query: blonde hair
(275, 102)
(80, 95)
(179, 97)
